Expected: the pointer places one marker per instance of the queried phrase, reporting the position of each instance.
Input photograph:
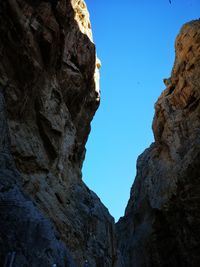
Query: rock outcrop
(49, 79)
(24, 230)
(161, 226)
(49, 93)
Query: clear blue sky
(135, 42)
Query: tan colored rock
(82, 17)
(161, 223)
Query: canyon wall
(49, 88)
(49, 93)
(161, 226)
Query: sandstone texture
(161, 226)
(49, 80)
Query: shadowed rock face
(49, 78)
(161, 226)
(49, 93)
(24, 230)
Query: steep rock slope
(23, 229)
(49, 93)
(49, 78)
(161, 226)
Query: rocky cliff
(161, 226)
(49, 93)
(49, 89)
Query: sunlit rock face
(161, 226)
(49, 80)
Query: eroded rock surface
(161, 226)
(24, 230)
(49, 77)
(49, 93)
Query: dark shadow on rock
(49, 65)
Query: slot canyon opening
(135, 43)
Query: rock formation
(161, 226)
(49, 93)
(24, 230)
(49, 79)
